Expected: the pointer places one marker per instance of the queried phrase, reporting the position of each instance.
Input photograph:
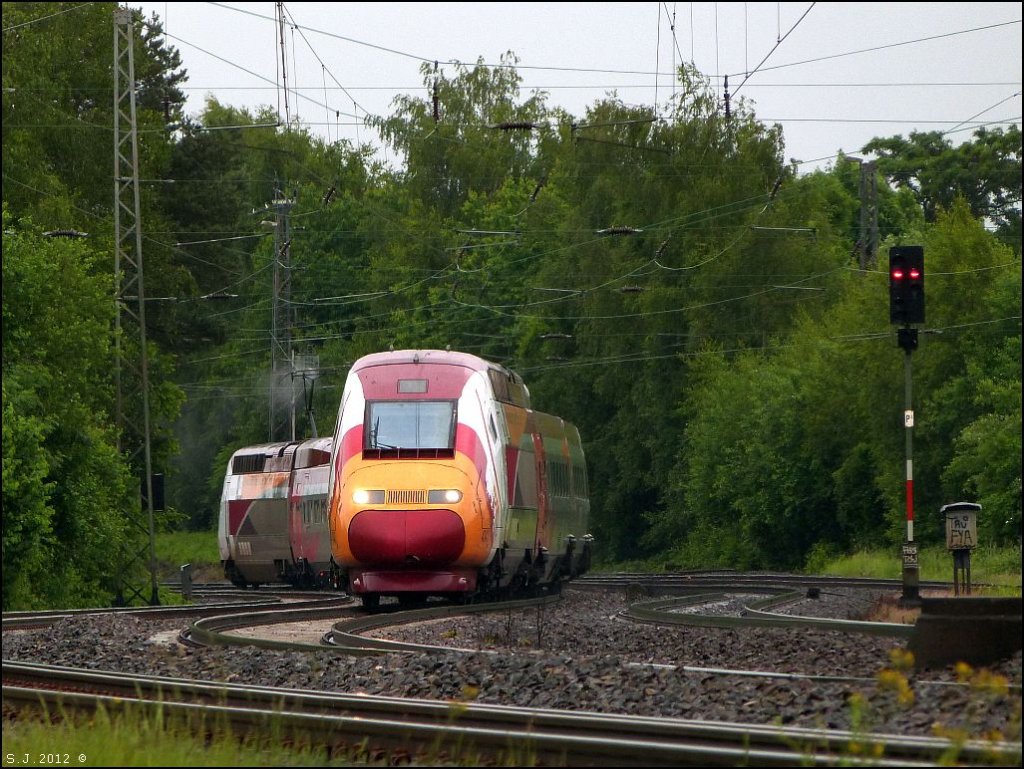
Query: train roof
(266, 449)
(429, 356)
(280, 456)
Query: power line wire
(777, 44)
(45, 18)
(889, 45)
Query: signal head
(906, 285)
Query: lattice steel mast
(133, 425)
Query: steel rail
(346, 634)
(664, 583)
(212, 631)
(344, 637)
(433, 727)
(26, 620)
(664, 611)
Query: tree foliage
(664, 281)
(64, 481)
(985, 172)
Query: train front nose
(412, 538)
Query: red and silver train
(442, 481)
(445, 482)
(273, 515)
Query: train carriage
(445, 482)
(307, 511)
(253, 523)
(273, 514)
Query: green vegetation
(144, 736)
(661, 277)
(174, 549)
(140, 738)
(199, 548)
(997, 566)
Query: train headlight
(368, 496)
(444, 496)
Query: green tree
(801, 444)
(65, 485)
(985, 171)
(58, 110)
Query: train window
(509, 388)
(558, 478)
(518, 395)
(247, 463)
(499, 384)
(410, 425)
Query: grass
(199, 548)
(138, 738)
(146, 736)
(998, 567)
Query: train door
(521, 469)
(311, 542)
(542, 535)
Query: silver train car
(272, 526)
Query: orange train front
(445, 482)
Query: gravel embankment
(578, 655)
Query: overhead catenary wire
(47, 17)
(435, 273)
(561, 68)
(777, 44)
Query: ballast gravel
(578, 654)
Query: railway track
(426, 730)
(684, 591)
(676, 583)
(396, 726)
(32, 620)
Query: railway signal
(906, 285)
(906, 307)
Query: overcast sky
(834, 75)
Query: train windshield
(410, 425)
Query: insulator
(65, 234)
(619, 230)
(524, 125)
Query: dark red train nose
(406, 537)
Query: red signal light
(906, 285)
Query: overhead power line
(646, 73)
(887, 46)
(45, 18)
(774, 48)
